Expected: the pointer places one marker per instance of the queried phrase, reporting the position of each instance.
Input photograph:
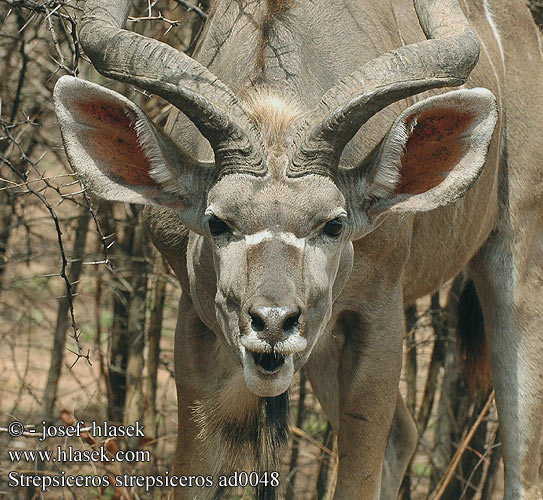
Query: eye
(217, 226)
(333, 228)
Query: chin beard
(244, 432)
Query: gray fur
(291, 167)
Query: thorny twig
(159, 17)
(64, 261)
(53, 8)
(482, 458)
(42, 8)
(193, 8)
(20, 82)
(439, 490)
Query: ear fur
(119, 154)
(432, 154)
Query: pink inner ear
(114, 142)
(433, 149)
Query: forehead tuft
(273, 114)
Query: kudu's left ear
(431, 156)
(121, 156)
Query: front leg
(202, 372)
(368, 383)
(355, 374)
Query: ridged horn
(160, 69)
(444, 60)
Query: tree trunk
(438, 354)
(118, 341)
(135, 334)
(153, 356)
(300, 418)
(325, 462)
(63, 317)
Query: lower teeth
(268, 362)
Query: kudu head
(277, 209)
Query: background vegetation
(88, 307)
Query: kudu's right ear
(120, 155)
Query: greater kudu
(302, 202)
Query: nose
(275, 321)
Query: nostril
(256, 323)
(276, 321)
(291, 322)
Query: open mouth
(267, 374)
(268, 364)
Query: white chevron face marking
(285, 237)
(256, 238)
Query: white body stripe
(494, 29)
(539, 42)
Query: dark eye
(333, 228)
(217, 226)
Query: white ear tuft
(386, 179)
(154, 146)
